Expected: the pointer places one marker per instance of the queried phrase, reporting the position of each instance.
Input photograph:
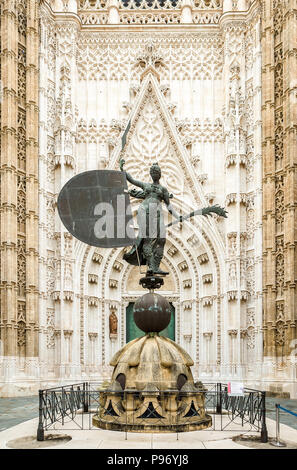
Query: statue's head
(155, 171)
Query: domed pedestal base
(152, 390)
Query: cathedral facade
(209, 88)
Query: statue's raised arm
(129, 177)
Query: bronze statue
(151, 239)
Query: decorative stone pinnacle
(150, 60)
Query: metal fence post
(264, 433)
(86, 401)
(277, 442)
(40, 430)
(219, 399)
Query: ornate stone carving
(187, 283)
(232, 333)
(232, 295)
(280, 332)
(105, 60)
(172, 250)
(113, 283)
(183, 266)
(279, 265)
(21, 201)
(68, 296)
(21, 267)
(50, 328)
(193, 240)
(208, 334)
(118, 266)
(232, 276)
(93, 301)
(21, 324)
(207, 278)
(93, 278)
(207, 301)
(97, 257)
(187, 305)
(202, 259)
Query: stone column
(113, 12)
(235, 159)
(243, 350)
(279, 177)
(8, 165)
(187, 340)
(242, 5)
(290, 170)
(92, 350)
(32, 209)
(207, 336)
(186, 11)
(227, 5)
(233, 335)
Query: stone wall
(19, 319)
(279, 25)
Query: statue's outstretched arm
(129, 177)
(216, 209)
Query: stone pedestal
(152, 390)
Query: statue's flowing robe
(151, 228)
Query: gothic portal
(195, 79)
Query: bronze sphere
(152, 313)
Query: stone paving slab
(101, 439)
(223, 444)
(15, 422)
(16, 410)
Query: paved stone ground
(16, 410)
(285, 418)
(23, 436)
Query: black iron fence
(74, 406)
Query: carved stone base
(151, 282)
(172, 422)
(152, 390)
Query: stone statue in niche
(113, 324)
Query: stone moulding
(151, 5)
(146, 13)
